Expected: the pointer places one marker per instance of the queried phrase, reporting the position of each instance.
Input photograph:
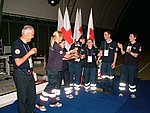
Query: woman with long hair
(54, 67)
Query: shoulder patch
(117, 49)
(140, 49)
(17, 51)
(61, 52)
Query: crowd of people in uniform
(76, 67)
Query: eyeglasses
(32, 34)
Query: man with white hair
(23, 70)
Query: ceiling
(106, 13)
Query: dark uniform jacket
(56, 55)
(93, 53)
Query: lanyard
(29, 58)
(105, 46)
(88, 52)
(129, 44)
(26, 49)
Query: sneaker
(70, 96)
(76, 93)
(106, 91)
(57, 98)
(121, 95)
(87, 90)
(94, 92)
(133, 96)
(100, 78)
(41, 108)
(56, 105)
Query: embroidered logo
(111, 48)
(134, 47)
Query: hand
(82, 56)
(99, 54)
(128, 50)
(120, 45)
(76, 55)
(97, 62)
(113, 65)
(75, 49)
(33, 51)
(72, 51)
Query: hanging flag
(77, 26)
(60, 20)
(90, 32)
(80, 22)
(66, 30)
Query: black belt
(26, 71)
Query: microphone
(33, 46)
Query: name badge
(106, 52)
(30, 63)
(89, 59)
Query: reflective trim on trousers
(48, 95)
(87, 87)
(93, 86)
(77, 88)
(122, 84)
(132, 86)
(68, 90)
(56, 91)
(132, 90)
(43, 98)
(122, 88)
(107, 76)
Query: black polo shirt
(18, 50)
(112, 48)
(128, 58)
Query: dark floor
(100, 102)
(78, 105)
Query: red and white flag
(77, 26)
(60, 20)
(66, 30)
(80, 22)
(90, 32)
